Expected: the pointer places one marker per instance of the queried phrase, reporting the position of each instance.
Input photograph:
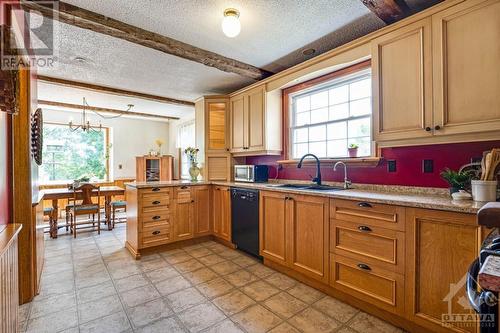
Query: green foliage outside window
(71, 155)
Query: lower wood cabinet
(294, 232)
(202, 218)
(221, 210)
(440, 248)
(184, 213)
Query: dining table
(66, 193)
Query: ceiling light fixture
(308, 52)
(231, 22)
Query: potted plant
(353, 150)
(194, 170)
(458, 180)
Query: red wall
(408, 165)
(4, 169)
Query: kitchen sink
(313, 187)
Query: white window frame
(184, 172)
(325, 86)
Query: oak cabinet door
(402, 83)
(466, 48)
(201, 209)
(217, 120)
(308, 240)
(216, 210)
(440, 247)
(256, 121)
(273, 227)
(184, 222)
(238, 124)
(225, 226)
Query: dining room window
(328, 117)
(185, 138)
(71, 155)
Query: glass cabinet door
(216, 126)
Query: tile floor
(92, 284)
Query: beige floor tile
(153, 264)
(99, 308)
(172, 285)
(225, 267)
(131, 282)
(53, 322)
(281, 281)
(50, 304)
(201, 275)
(146, 313)
(365, 323)
(244, 261)
(93, 293)
(284, 328)
(188, 266)
(211, 259)
(284, 305)
(215, 288)
(306, 293)
(24, 311)
(201, 316)
(228, 253)
(346, 330)
(313, 321)
(256, 319)
(241, 278)
(115, 323)
(226, 326)
(260, 290)
(162, 274)
(97, 278)
(260, 270)
(167, 325)
(184, 299)
(199, 252)
(124, 270)
(21, 326)
(233, 302)
(139, 295)
(335, 309)
(177, 257)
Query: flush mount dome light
(231, 22)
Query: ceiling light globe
(231, 23)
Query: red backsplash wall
(408, 165)
(4, 170)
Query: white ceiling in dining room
(273, 35)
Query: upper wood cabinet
(217, 118)
(466, 76)
(440, 247)
(255, 125)
(402, 82)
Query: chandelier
(85, 124)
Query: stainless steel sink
(312, 187)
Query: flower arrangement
(192, 154)
(159, 143)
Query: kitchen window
(326, 116)
(185, 138)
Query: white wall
(130, 137)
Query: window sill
(351, 161)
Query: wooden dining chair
(83, 205)
(118, 204)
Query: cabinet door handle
(192, 200)
(365, 205)
(218, 189)
(364, 228)
(364, 267)
(156, 202)
(156, 189)
(437, 128)
(428, 129)
(183, 187)
(156, 217)
(156, 232)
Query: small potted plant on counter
(353, 150)
(458, 180)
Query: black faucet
(316, 179)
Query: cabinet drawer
(182, 194)
(160, 201)
(155, 218)
(370, 283)
(372, 244)
(154, 190)
(385, 216)
(155, 235)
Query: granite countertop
(428, 198)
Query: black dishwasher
(245, 220)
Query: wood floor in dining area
(92, 284)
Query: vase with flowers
(194, 170)
(159, 143)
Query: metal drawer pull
(156, 232)
(156, 202)
(364, 228)
(157, 217)
(364, 267)
(364, 205)
(156, 189)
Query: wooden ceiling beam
(389, 11)
(89, 20)
(106, 110)
(110, 90)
